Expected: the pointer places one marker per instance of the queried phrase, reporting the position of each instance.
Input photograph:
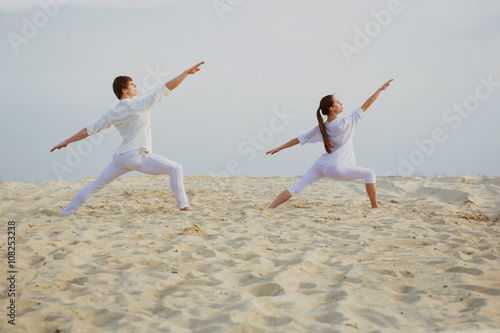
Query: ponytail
(322, 129)
(324, 106)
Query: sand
(129, 261)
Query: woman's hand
(289, 144)
(372, 99)
(384, 87)
(59, 146)
(273, 151)
(194, 69)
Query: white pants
(130, 161)
(317, 171)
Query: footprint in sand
(379, 318)
(110, 320)
(482, 290)
(405, 294)
(465, 270)
(268, 289)
(473, 304)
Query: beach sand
(129, 261)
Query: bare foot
(186, 209)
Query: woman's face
(337, 106)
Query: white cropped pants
(139, 161)
(317, 171)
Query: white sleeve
(357, 115)
(148, 102)
(99, 125)
(312, 136)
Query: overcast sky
(268, 63)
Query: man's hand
(174, 83)
(59, 146)
(77, 137)
(384, 87)
(194, 69)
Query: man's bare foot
(186, 209)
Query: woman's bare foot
(186, 209)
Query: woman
(339, 161)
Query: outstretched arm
(172, 84)
(289, 144)
(77, 137)
(372, 99)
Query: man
(132, 119)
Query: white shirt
(132, 118)
(340, 134)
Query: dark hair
(121, 82)
(324, 106)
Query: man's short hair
(121, 82)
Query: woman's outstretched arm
(372, 99)
(289, 144)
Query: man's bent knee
(176, 170)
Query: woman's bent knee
(371, 177)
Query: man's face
(131, 90)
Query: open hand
(59, 146)
(194, 69)
(384, 87)
(273, 151)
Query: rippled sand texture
(130, 261)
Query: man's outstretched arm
(172, 84)
(77, 137)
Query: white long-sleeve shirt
(132, 118)
(340, 134)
